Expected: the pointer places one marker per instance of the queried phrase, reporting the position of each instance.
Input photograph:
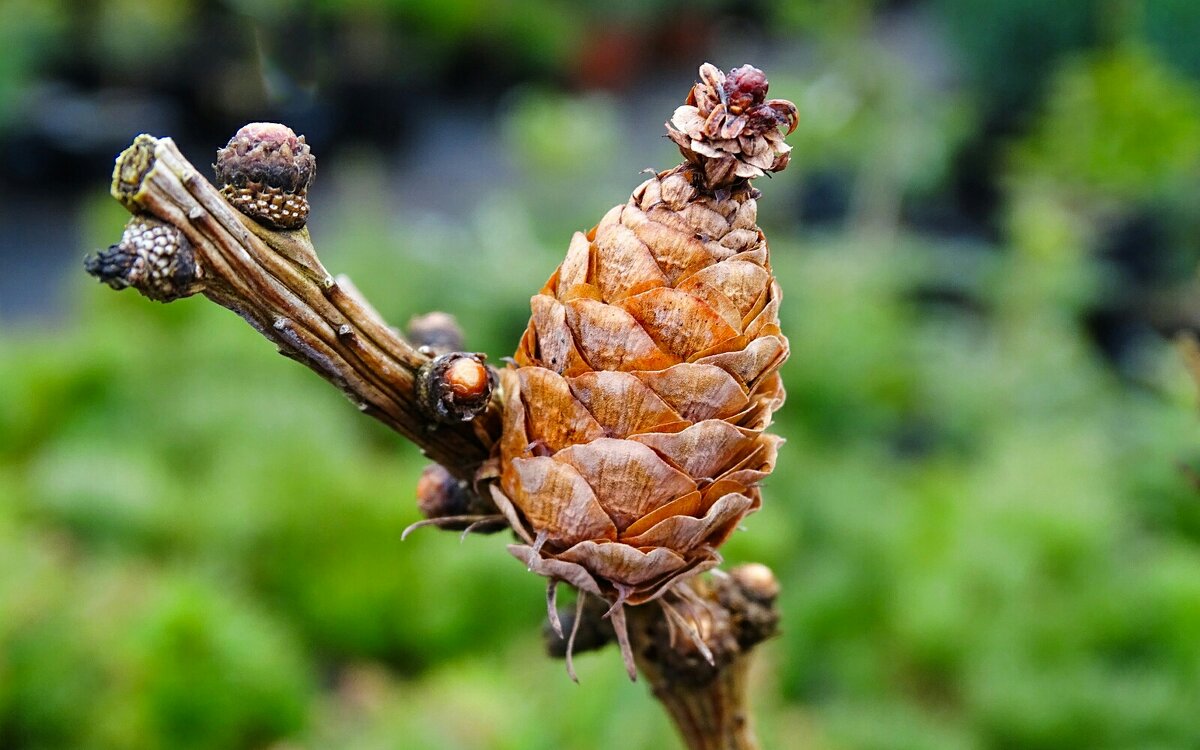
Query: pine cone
(634, 440)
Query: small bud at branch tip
(454, 387)
(264, 172)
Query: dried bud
(454, 387)
(265, 171)
(436, 331)
(439, 494)
(152, 257)
(749, 594)
(450, 503)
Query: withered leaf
(624, 265)
(622, 563)
(552, 415)
(696, 391)
(679, 322)
(685, 532)
(702, 450)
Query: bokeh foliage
(980, 520)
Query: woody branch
(186, 238)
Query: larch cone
(634, 437)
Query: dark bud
(153, 258)
(265, 172)
(745, 87)
(441, 495)
(436, 331)
(454, 387)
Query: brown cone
(634, 439)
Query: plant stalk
(274, 280)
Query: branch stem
(694, 650)
(275, 281)
(714, 716)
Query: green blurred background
(985, 519)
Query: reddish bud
(265, 171)
(745, 87)
(454, 387)
(468, 378)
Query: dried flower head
(730, 129)
(265, 171)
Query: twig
(274, 280)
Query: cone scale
(634, 437)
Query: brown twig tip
(265, 171)
(454, 387)
(730, 129)
(153, 258)
(436, 331)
